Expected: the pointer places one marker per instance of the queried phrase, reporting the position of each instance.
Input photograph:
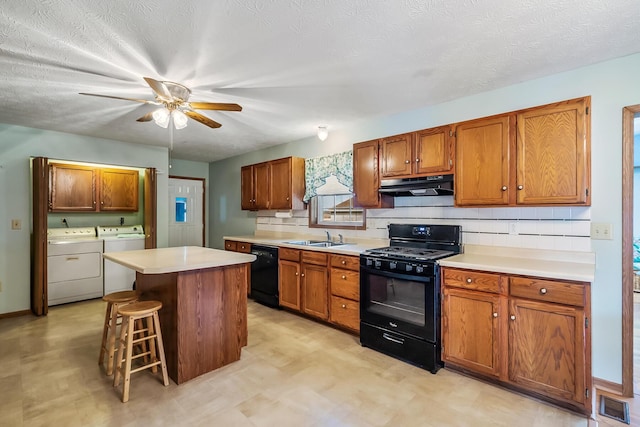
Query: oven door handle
(388, 337)
(374, 271)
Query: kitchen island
(204, 303)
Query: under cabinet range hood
(440, 185)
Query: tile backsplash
(558, 228)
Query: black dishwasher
(264, 275)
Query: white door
(185, 212)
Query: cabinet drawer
(345, 283)
(289, 254)
(230, 245)
(345, 312)
(570, 293)
(243, 247)
(467, 279)
(345, 261)
(310, 257)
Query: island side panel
(212, 319)
(162, 287)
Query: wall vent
(616, 409)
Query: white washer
(124, 238)
(74, 265)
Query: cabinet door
(553, 154)
(72, 188)
(280, 184)
(119, 190)
(547, 349)
(482, 162)
(396, 155)
(433, 151)
(247, 193)
(261, 186)
(315, 291)
(366, 176)
(472, 325)
(289, 284)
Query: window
(181, 209)
(335, 211)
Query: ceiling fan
(175, 106)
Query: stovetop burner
(400, 252)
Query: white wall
(17, 146)
(612, 85)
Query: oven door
(403, 303)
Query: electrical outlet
(16, 224)
(514, 227)
(601, 231)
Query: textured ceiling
(291, 64)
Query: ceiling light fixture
(179, 119)
(323, 133)
(161, 117)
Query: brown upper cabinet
(422, 153)
(276, 184)
(366, 176)
(78, 188)
(540, 156)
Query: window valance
(319, 169)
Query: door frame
(628, 115)
(204, 203)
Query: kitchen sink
(315, 243)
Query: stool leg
(127, 366)
(121, 346)
(163, 363)
(105, 330)
(152, 344)
(111, 346)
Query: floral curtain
(317, 170)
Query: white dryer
(123, 238)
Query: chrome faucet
(341, 241)
(328, 236)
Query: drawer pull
(73, 258)
(344, 277)
(344, 305)
(543, 291)
(513, 317)
(392, 339)
(495, 314)
(504, 188)
(296, 273)
(469, 280)
(406, 162)
(302, 275)
(344, 262)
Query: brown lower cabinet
(321, 285)
(529, 333)
(243, 247)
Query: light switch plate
(601, 231)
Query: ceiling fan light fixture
(161, 117)
(323, 133)
(179, 119)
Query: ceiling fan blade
(159, 88)
(215, 106)
(146, 118)
(144, 101)
(202, 119)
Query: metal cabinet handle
(513, 317)
(520, 187)
(344, 262)
(495, 314)
(287, 199)
(302, 275)
(417, 160)
(344, 305)
(469, 280)
(296, 273)
(406, 162)
(73, 258)
(543, 291)
(344, 277)
(392, 339)
(504, 188)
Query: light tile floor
(294, 372)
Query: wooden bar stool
(134, 331)
(109, 331)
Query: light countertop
(183, 258)
(353, 248)
(564, 265)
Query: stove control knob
(377, 263)
(369, 262)
(392, 265)
(409, 267)
(419, 269)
